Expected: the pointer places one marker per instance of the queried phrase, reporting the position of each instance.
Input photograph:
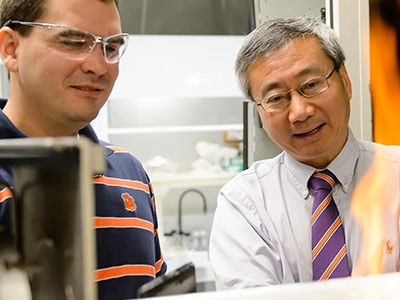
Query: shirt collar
(9, 131)
(343, 166)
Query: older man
(287, 219)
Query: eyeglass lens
(74, 43)
(313, 87)
(309, 88)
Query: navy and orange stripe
(117, 149)
(125, 270)
(159, 263)
(152, 198)
(103, 222)
(5, 194)
(137, 185)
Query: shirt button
(305, 193)
(346, 186)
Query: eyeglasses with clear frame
(310, 88)
(77, 44)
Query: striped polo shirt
(128, 249)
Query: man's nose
(95, 62)
(300, 108)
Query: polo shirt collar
(9, 131)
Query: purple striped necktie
(329, 251)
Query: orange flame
(385, 79)
(375, 201)
(375, 204)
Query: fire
(385, 76)
(375, 201)
(375, 204)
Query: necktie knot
(323, 180)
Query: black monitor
(179, 281)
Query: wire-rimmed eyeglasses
(309, 88)
(75, 43)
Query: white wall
(178, 66)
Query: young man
(63, 61)
(287, 219)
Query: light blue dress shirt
(261, 233)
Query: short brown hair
(25, 10)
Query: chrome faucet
(181, 232)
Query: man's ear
(8, 48)
(346, 80)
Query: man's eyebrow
(118, 40)
(73, 33)
(269, 86)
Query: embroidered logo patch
(129, 203)
(389, 248)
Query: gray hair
(274, 33)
